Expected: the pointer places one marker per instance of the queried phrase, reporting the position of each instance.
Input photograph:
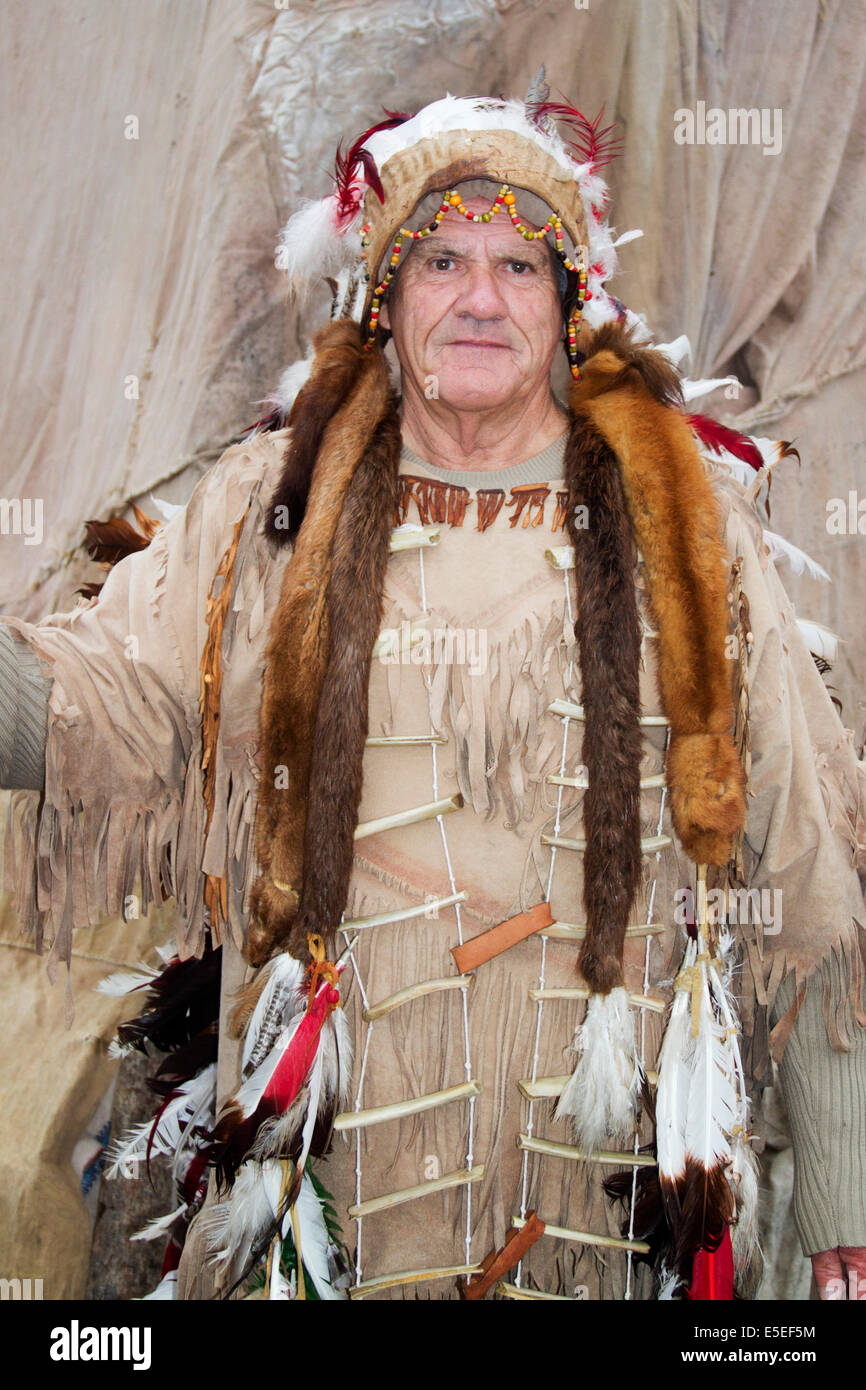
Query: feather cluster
(707, 1171)
(296, 1071)
(601, 1094)
(180, 1018)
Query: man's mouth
(476, 343)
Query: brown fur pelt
(355, 608)
(607, 629)
(338, 360)
(297, 657)
(625, 393)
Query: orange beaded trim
(504, 198)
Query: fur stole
(632, 462)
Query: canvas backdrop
(151, 151)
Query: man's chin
(475, 390)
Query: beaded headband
(452, 201)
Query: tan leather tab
(497, 1264)
(498, 939)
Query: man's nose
(480, 294)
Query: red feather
(718, 437)
(713, 1273)
(345, 166)
(591, 144)
(296, 1062)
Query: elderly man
(423, 699)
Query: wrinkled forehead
(533, 212)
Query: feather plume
(279, 1002)
(236, 1226)
(182, 1000)
(298, 1060)
(348, 191)
(820, 640)
(591, 144)
(126, 981)
(781, 549)
(313, 247)
(315, 1241)
(163, 1134)
(601, 1093)
(719, 437)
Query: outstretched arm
(122, 802)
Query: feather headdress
(389, 168)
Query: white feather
(743, 1170)
(601, 1094)
(712, 1108)
(280, 1287)
(625, 237)
(131, 1151)
(311, 246)
(669, 1284)
(160, 1225)
(672, 1092)
(290, 383)
(677, 350)
(125, 981)
(781, 549)
(693, 389)
(168, 510)
(233, 1227)
(820, 640)
(315, 1241)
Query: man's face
(475, 306)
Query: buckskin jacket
(477, 648)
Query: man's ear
(384, 316)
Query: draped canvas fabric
(151, 151)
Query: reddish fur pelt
(625, 393)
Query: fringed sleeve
(805, 833)
(121, 822)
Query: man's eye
(519, 266)
(442, 262)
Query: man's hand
(840, 1273)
